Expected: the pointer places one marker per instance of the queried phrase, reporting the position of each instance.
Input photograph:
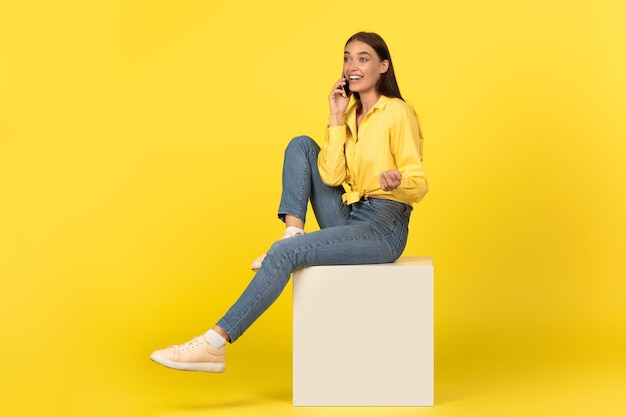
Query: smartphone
(346, 88)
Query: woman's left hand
(390, 179)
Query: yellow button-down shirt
(388, 137)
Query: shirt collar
(380, 104)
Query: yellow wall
(140, 152)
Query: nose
(352, 65)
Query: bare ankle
(292, 221)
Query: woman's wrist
(335, 120)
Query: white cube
(363, 335)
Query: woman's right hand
(338, 102)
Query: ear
(384, 66)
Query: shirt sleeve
(406, 146)
(331, 161)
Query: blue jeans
(370, 231)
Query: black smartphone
(346, 87)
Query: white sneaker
(195, 355)
(256, 264)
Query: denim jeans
(370, 231)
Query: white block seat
(363, 335)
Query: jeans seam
(259, 295)
(328, 243)
(303, 202)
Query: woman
(373, 146)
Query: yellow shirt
(388, 137)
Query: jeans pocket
(391, 211)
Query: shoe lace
(192, 344)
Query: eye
(363, 59)
(346, 59)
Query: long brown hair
(387, 84)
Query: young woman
(373, 145)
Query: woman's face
(362, 66)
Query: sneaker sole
(184, 366)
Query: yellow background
(140, 153)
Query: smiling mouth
(355, 77)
